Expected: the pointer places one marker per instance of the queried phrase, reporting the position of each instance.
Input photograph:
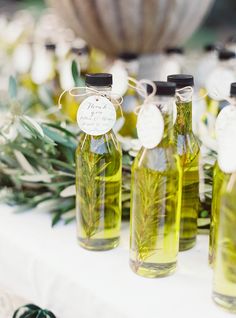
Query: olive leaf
(75, 72)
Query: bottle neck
(100, 88)
(103, 90)
(183, 123)
(165, 105)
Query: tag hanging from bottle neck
(87, 91)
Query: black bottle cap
(181, 80)
(128, 56)
(98, 79)
(233, 90)
(50, 46)
(225, 55)
(209, 47)
(174, 50)
(163, 88)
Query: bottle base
(186, 244)
(153, 270)
(98, 244)
(226, 302)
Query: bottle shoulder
(159, 159)
(102, 145)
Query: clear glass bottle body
(188, 151)
(224, 282)
(218, 178)
(98, 191)
(155, 213)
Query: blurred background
(217, 25)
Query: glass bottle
(80, 52)
(98, 182)
(155, 194)
(172, 62)
(220, 177)
(188, 151)
(130, 99)
(224, 282)
(219, 80)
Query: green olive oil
(188, 150)
(98, 182)
(218, 178)
(155, 205)
(224, 283)
(98, 179)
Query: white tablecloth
(47, 267)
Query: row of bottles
(165, 178)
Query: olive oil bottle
(224, 283)
(188, 151)
(98, 182)
(156, 198)
(130, 99)
(218, 178)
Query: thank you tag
(150, 126)
(226, 137)
(96, 115)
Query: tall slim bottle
(155, 194)
(130, 99)
(188, 151)
(220, 177)
(224, 282)
(98, 182)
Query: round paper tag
(96, 115)
(150, 126)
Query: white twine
(141, 88)
(184, 94)
(87, 91)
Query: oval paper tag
(226, 132)
(96, 115)
(226, 115)
(150, 126)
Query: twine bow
(88, 91)
(141, 88)
(184, 94)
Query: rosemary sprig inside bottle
(188, 151)
(98, 183)
(155, 193)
